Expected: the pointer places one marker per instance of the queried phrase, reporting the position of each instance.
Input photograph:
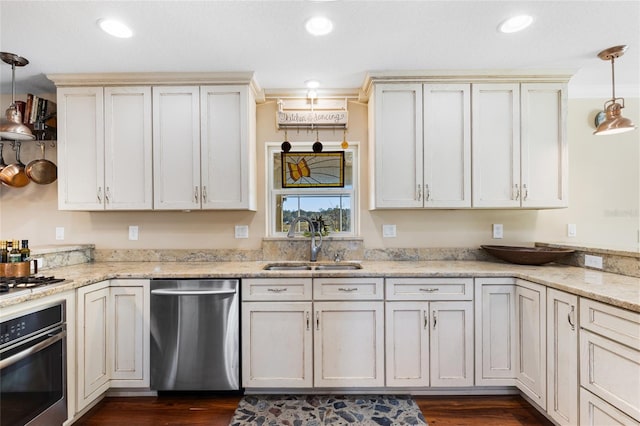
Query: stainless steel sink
(287, 267)
(293, 266)
(338, 267)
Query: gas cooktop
(14, 283)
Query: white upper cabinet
(228, 161)
(80, 148)
(176, 147)
(128, 173)
(519, 145)
(422, 145)
(496, 145)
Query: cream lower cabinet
(112, 338)
(531, 365)
(610, 364)
(562, 357)
(429, 332)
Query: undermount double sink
(309, 266)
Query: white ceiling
(268, 37)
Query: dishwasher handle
(180, 292)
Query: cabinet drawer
(596, 412)
(611, 371)
(276, 289)
(429, 288)
(614, 323)
(348, 288)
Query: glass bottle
(14, 254)
(24, 251)
(3, 252)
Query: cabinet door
(562, 357)
(447, 145)
(277, 344)
(407, 343)
(129, 333)
(544, 158)
(93, 343)
(531, 358)
(495, 331)
(227, 147)
(80, 148)
(176, 148)
(496, 145)
(452, 348)
(349, 344)
(128, 150)
(397, 150)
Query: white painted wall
(604, 201)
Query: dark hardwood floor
(510, 410)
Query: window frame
(272, 193)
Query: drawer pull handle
(348, 289)
(429, 290)
(435, 320)
(425, 314)
(277, 290)
(570, 318)
(317, 320)
(307, 315)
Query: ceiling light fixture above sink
(115, 28)
(515, 24)
(318, 26)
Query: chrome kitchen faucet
(315, 249)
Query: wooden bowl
(527, 255)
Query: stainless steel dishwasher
(195, 335)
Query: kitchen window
(336, 206)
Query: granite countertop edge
(617, 290)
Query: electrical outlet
(133, 233)
(593, 261)
(571, 230)
(389, 231)
(498, 231)
(242, 231)
(59, 233)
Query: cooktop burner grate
(7, 283)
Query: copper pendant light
(11, 126)
(614, 121)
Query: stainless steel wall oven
(33, 389)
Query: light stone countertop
(618, 290)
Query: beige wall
(604, 188)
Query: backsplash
(346, 249)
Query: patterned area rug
(318, 410)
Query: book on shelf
(38, 109)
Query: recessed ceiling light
(319, 25)
(115, 28)
(516, 23)
(312, 84)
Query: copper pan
(42, 171)
(14, 174)
(2, 163)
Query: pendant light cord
(613, 77)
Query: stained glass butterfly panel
(313, 169)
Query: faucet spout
(315, 249)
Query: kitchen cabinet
(349, 344)
(562, 357)
(93, 371)
(421, 152)
(595, 412)
(610, 360)
(103, 131)
(204, 147)
(277, 333)
(129, 336)
(495, 316)
(519, 145)
(429, 343)
(531, 366)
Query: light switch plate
(498, 231)
(242, 231)
(59, 233)
(389, 231)
(571, 230)
(133, 233)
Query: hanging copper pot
(14, 174)
(42, 171)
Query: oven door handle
(32, 350)
(178, 292)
